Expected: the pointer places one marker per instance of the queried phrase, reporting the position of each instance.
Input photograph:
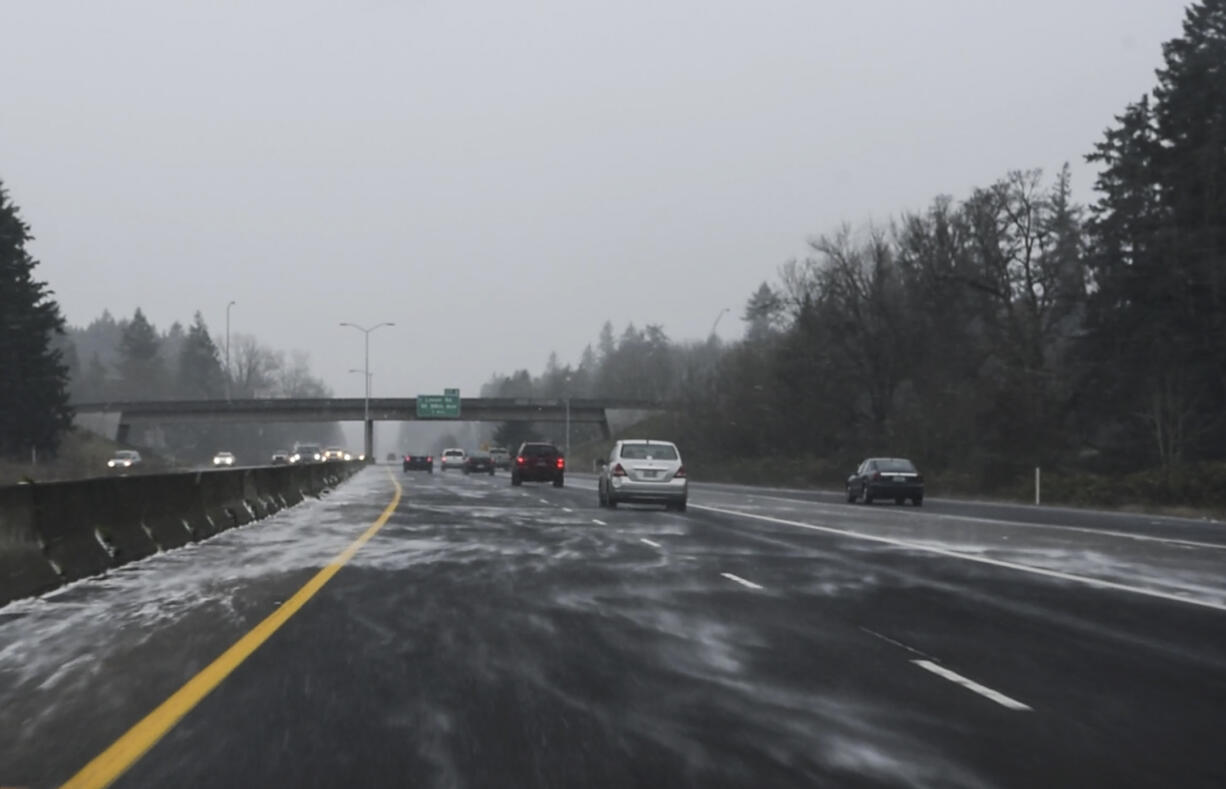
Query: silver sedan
(645, 471)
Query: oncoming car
(223, 459)
(336, 453)
(643, 471)
(452, 458)
(306, 453)
(886, 478)
(280, 457)
(124, 459)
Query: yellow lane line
(107, 766)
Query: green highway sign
(451, 393)
(439, 406)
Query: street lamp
(228, 306)
(722, 312)
(368, 428)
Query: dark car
(418, 463)
(886, 478)
(479, 463)
(391, 457)
(538, 462)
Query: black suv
(538, 462)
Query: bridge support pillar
(369, 432)
(604, 427)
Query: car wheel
(851, 497)
(900, 500)
(491, 472)
(600, 499)
(516, 481)
(609, 501)
(918, 501)
(679, 506)
(865, 496)
(557, 483)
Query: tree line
(985, 335)
(130, 359)
(45, 365)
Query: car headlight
(295, 458)
(348, 456)
(317, 457)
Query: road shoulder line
(915, 546)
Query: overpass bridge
(117, 418)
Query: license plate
(900, 479)
(650, 474)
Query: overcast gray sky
(499, 178)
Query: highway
(490, 636)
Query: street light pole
(566, 384)
(722, 312)
(370, 377)
(368, 428)
(228, 306)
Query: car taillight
(876, 475)
(680, 472)
(618, 471)
(919, 477)
(561, 462)
(520, 460)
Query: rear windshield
(126, 455)
(539, 450)
(648, 452)
(308, 449)
(454, 453)
(896, 464)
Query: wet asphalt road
(498, 636)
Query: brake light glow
(680, 473)
(618, 471)
(430, 459)
(520, 460)
(561, 462)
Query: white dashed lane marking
(741, 581)
(972, 685)
(646, 541)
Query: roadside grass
(81, 454)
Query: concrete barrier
(24, 569)
(57, 532)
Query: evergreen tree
(200, 376)
(34, 411)
(1157, 317)
(140, 364)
